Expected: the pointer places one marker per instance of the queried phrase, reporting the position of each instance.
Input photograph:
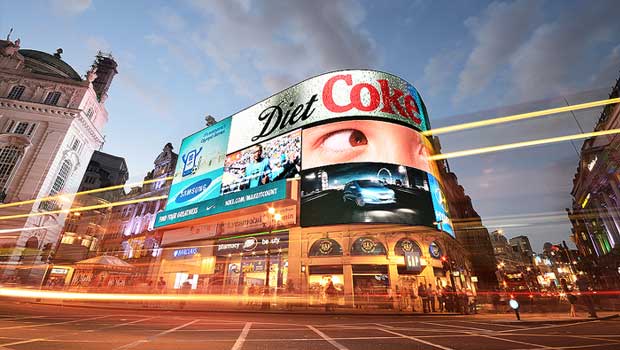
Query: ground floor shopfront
(371, 265)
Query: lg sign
(391, 100)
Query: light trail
(79, 209)
(508, 146)
(96, 190)
(516, 117)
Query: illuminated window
(325, 247)
(9, 156)
(16, 92)
(52, 98)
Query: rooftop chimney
(106, 70)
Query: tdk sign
(193, 190)
(184, 252)
(189, 161)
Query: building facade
(594, 214)
(130, 234)
(51, 119)
(327, 182)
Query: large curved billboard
(352, 138)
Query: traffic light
(445, 263)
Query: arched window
(9, 156)
(16, 92)
(367, 246)
(406, 245)
(325, 247)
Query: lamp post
(275, 217)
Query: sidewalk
(543, 318)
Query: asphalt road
(40, 327)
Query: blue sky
(179, 61)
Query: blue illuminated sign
(184, 252)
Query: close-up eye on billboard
(269, 161)
(198, 173)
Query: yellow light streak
(516, 117)
(508, 146)
(96, 190)
(91, 207)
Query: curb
(565, 321)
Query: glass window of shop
(371, 286)
(325, 247)
(319, 278)
(241, 264)
(367, 246)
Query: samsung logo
(193, 190)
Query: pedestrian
(572, 299)
(161, 285)
(330, 295)
(358, 296)
(186, 288)
(291, 294)
(422, 294)
(441, 297)
(432, 297)
(585, 289)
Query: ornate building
(51, 119)
(129, 234)
(468, 227)
(594, 215)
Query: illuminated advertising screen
(352, 137)
(273, 160)
(199, 169)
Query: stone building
(594, 214)
(468, 227)
(51, 121)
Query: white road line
(244, 333)
(415, 339)
(142, 341)
(55, 323)
(120, 324)
(455, 326)
(336, 344)
(537, 346)
(550, 326)
(20, 342)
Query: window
(75, 145)
(21, 128)
(16, 92)
(10, 126)
(9, 156)
(90, 113)
(31, 130)
(61, 178)
(52, 98)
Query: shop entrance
(318, 280)
(371, 286)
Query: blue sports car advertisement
(199, 169)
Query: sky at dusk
(470, 60)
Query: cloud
(95, 44)
(555, 58)
(169, 19)
(282, 42)
(610, 67)
(498, 34)
(70, 7)
(189, 61)
(440, 70)
(207, 85)
(151, 96)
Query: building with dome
(51, 122)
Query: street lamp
(275, 218)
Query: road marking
(120, 324)
(21, 342)
(244, 333)
(55, 323)
(538, 346)
(336, 344)
(142, 341)
(415, 339)
(454, 326)
(550, 326)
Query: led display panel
(199, 169)
(273, 160)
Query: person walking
(441, 297)
(330, 295)
(572, 299)
(161, 286)
(585, 289)
(422, 294)
(432, 297)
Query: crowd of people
(428, 298)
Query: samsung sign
(270, 192)
(184, 252)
